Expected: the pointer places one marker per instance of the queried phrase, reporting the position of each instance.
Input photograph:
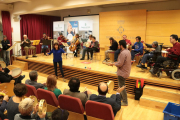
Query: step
(155, 102)
(20, 64)
(161, 92)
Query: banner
(86, 25)
(58, 27)
(72, 29)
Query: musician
(175, 50)
(26, 43)
(128, 42)
(6, 45)
(88, 43)
(155, 50)
(78, 46)
(61, 40)
(44, 47)
(93, 47)
(113, 47)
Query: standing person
(128, 42)
(26, 43)
(57, 58)
(44, 47)
(6, 45)
(113, 47)
(123, 69)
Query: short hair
(60, 114)
(123, 43)
(90, 36)
(56, 43)
(139, 38)
(33, 75)
(44, 33)
(102, 92)
(51, 82)
(74, 84)
(4, 36)
(60, 34)
(26, 106)
(174, 37)
(20, 89)
(155, 43)
(94, 37)
(77, 34)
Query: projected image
(72, 29)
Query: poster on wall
(85, 29)
(58, 27)
(72, 29)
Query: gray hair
(155, 43)
(33, 75)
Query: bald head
(102, 88)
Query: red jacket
(175, 49)
(128, 41)
(61, 39)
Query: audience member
(3, 106)
(12, 106)
(74, 85)
(128, 42)
(26, 108)
(59, 114)
(114, 100)
(33, 75)
(137, 47)
(6, 76)
(113, 47)
(51, 85)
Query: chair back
(31, 90)
(71, 104)
(48, 96)
(99, 110)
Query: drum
(16, 72)
(164, 53)
(3, 64)
(34, 100)
(42, 106)
(110, 84)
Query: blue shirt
(138, 47)
(57, 54)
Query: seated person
(74, 85)
(114, 100)
(137, 47)
(3, 106)
(51, 85)
(12, 106)
(26, 43)
(60, 114)
(61, 40)
(113, 47)
(44, 47)
(155, 50)
(6, 76)
(128, 42)
(78, 45)
(26, 108)
(175, 50)
(93, 47)
(33, 75)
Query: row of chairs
(93, 110)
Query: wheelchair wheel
(176, 74)
(159, 74)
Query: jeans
(107, 53)
(123, 94)
(84, 52)
(6, 57)
(133, 53)
(116, 54)
(60, 67)
(91, 51)
(44, 48)
(146, 57)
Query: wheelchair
(170, 67)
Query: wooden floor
(98, 66)
(131, 112)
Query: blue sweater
(138, 47)
(57, 54)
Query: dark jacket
(35, 84)
(26, 44)
(114, 46)
(4, 44)
(114, 101)
(96, 44)
(4, 77)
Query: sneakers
(124, 104)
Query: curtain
(35, 25)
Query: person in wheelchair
(174, 51)
(154, 52)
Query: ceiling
(13, 1)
